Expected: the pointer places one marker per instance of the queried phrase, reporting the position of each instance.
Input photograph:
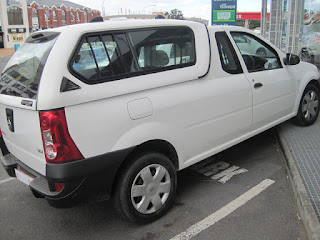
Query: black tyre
(309, 106)
(146, 188)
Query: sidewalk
(301, 146)
(6, 52)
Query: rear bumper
(90, 175)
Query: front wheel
(146, 188)
(309, 106)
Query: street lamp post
(102, 8)
(152, 5)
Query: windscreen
(22, 74)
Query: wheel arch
(301, 90)
(160, 146)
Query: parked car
(310, 47)
(119, 107)
(250, 45)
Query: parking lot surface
(222, 195)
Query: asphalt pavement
(255, 202)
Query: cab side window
(164, 48)
(257, 56)
(112, 56)
(103, 56)
(228, 57)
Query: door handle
(258, 85)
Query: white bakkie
(119, 107)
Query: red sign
(250, 15)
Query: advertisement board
(17, 37)
(224, 12)
(13, 2)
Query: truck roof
(135, 24)
(122, 24)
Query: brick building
(44, 14)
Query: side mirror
(291, 59)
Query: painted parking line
(6, 180)
(223, 212)
(227, 174)
(218, 171)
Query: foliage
(175, 14)
(252, 23)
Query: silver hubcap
(310, 105)
(150, 189)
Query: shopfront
(295, 28)
(310, 32)
(14, 23)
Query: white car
(250, 45)
(119, 107)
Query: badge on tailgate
(9, 113)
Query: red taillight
(57, 142)
(0, 133)
(58, 186)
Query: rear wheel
(146, 188)
(309, 106)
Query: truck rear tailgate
(22, 135)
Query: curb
(306, 210)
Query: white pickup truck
(119, 107)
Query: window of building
(228, 57)
(257, 55)
(64, 20)
(85, 17)
(78, 16)
(72, 16)
(111, 56)
(34, 12)
(54, 14)
(35, 19)
(91, 15)
(14, 15)
(310, 35)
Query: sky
(189, 8)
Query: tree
(252, 23)
(175, 14)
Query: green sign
(224, 12)
(224, 16)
